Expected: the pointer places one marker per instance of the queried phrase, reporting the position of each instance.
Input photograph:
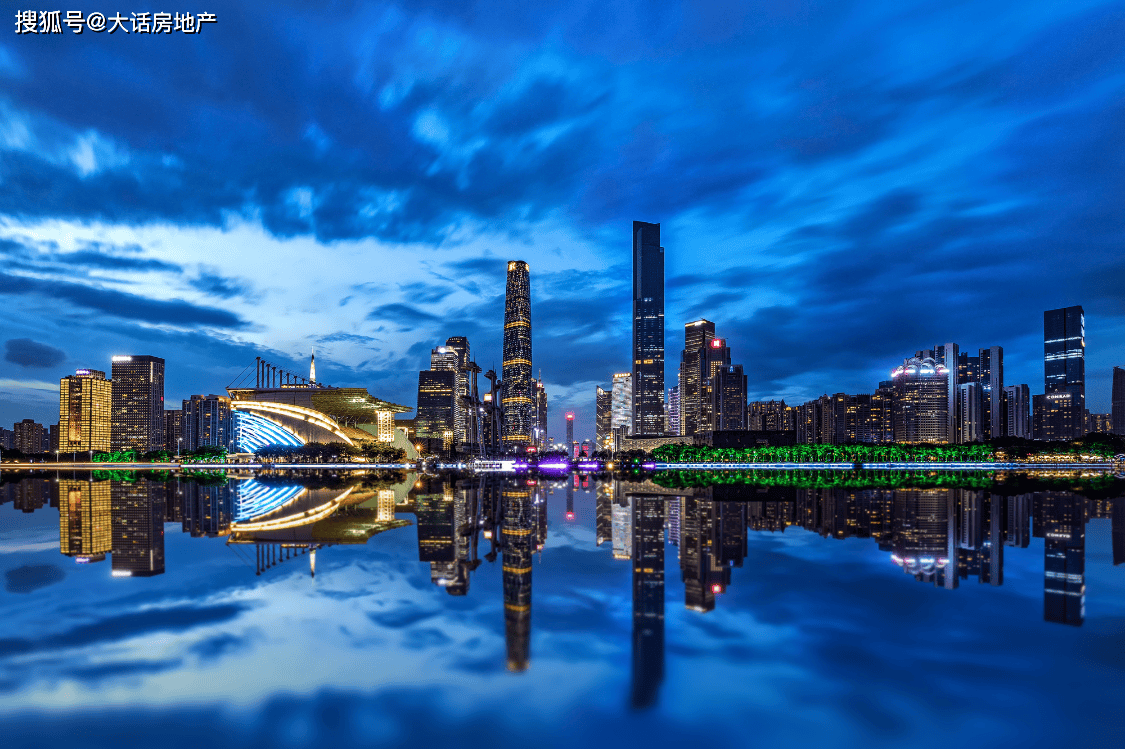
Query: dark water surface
(555, 612)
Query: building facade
(30, 437)
(85, 412)
(518, 399)
(1016, 405)
(921, 401)
(1060, 414)
(621, 402)
(1117, 402)
(697, 336)
(138, 403)
(173, 429)
(672, 411)
(728, 398)
(207, 422)
(970, 404)
(603, 418)
(648, 330)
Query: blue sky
(839, 184)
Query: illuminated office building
(437, 400)
(571, 445)
(714, 357)
(519, 397)
(770, 416)
(1117, 402)
(991, 374)
(603, 413)
(138, 403)
(207, 422)
(648, 330)
(948, 356)
(672, 410)
(85, 412)
(1016, 411)
(30, 437)
(621, 405)
(921, 401)
(541, 412)
(697, 337)
(85, 520)
(137, 511)
(728, 398)
(970, 404)
(1060, 413)
(173, 429)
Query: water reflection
(940, 536)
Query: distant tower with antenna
(312, 367)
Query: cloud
(27, 353)
(213, 284)
(402, 314)
(121, 304)
(32, 577)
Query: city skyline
(405, 181)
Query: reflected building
(1064, 557)
(518, 531)
(137, 511)
(622, 524)
(648, 599)
(29, 494)
(1118, 532)
(925, 537)
(703, 577)
(85, 520)
(603, 510)
(208, 508)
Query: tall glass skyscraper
(648, 330)
(138, 403)
(519, 398)
(1060, 411)
(1117, 402)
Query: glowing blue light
(254, 499)
(252, 432)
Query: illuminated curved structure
(302, 413)
(254, 432)
(254, 499)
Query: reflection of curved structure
(254, 432)
(290, 507)
(256, 499)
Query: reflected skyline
(939, 536)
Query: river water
(401, 610)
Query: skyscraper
(920, 401)
(991, 374)
(715, 356)
(173, 429)
(1060, 413)
(519, 395)
(728, 398)
(541, 411)
(1117, 402)
(603, 431)
(648, 330)
(571, 450)
(138, 403)
(970, 404)
(85, 407)
(1016, 402)
(697, 336)
(207, 422)
(30, 437)
(621, 406)
(459, 345)
(672, 410)
(947, 355)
